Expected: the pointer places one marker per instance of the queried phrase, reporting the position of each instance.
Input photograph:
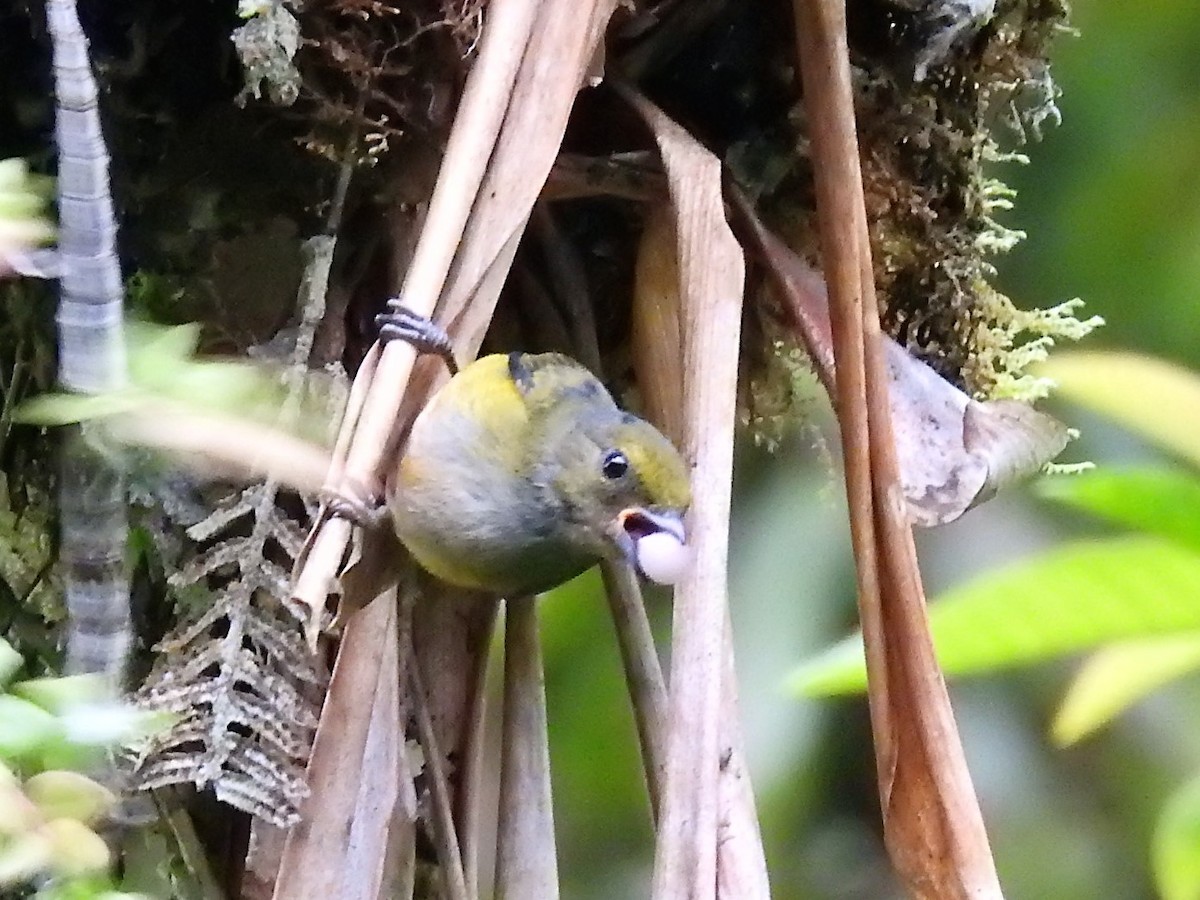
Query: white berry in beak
(655, 543)
(661, 557)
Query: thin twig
(643, 673)
(445, 836)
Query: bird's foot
(401, 323)
(356, 505)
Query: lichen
(781, 390)
(934, 126)
(267, 46)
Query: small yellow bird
(523, 472)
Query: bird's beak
(635, 524)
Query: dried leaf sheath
(526, 864)
(932, 822)
(711, 269)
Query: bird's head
(623, 490)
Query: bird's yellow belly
(463, 532)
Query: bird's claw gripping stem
(401, 323)
(357, 506)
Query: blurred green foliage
(52, 731)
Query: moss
(930, 147)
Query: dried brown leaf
(656, 342)
(932, 823)
(711, 270)
(336, 850)
(954, 452)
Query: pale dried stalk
(373, 834)
(932, 822)
(711, 272)
(480, 115)
(526, 864)
(643, 673)
(562, 43)
(319, 858)
(561, 47)
(507, 133)
(741, 859)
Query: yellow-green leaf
(1158, 400)
(63, 794)
(1076, 597)
(74, 848)
(24, 727)
(1163, 502)
(1116, 677)
(1176, 847)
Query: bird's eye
(615, 464)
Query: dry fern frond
(239, 677)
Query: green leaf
(162, 362)
(63, 794)
(156, 351)
(10, 661)
(69, 409)
(1073, 598)
(1116, 677)
(1162, 502)
(60, 693)
(1176, 846)
(24, 727)
(1156, 399)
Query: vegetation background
(1111, 204)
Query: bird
(522, 472)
